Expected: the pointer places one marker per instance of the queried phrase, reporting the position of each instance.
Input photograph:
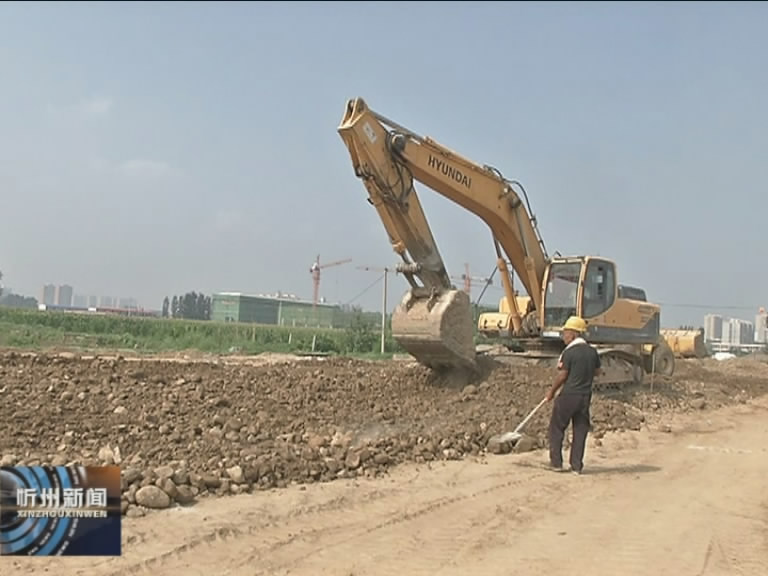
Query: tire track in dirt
(354, 511)
(341, 529)
(740, 540)
(693, 517)
(256, 523)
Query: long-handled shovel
(515, 435)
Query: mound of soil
(181, 430)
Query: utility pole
(386, 272)
(384, 311)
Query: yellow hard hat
(576, 324)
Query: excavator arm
(434, 321)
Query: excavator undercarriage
(620, 367)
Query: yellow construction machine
(686, 343)
(434, 321)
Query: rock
(698, 403)
(352, 461)
(340, 440)
(211, 481)
(184, 495)
(451, 454)
(131, 475)
(525, 444)
(233, 424)
(235, 474)
(167, 486)
(163, 472)
(180, 477)
(9, 460)
(316, 441)
(496, 446)
(152, 497)
(224, 488)
(382, 459)
(134, 512)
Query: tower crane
(315, 271)
(469, 281)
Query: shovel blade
(510, 437)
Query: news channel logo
(60, 511)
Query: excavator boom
(434, 321)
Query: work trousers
(569, 409)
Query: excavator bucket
(436, 330)
(685, 343)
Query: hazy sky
(151, 149)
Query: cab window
(561, 297)
(599, 288)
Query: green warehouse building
(275, 310)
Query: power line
(709, 306)
(379, 279)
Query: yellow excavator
(434, 321)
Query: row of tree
(190, 306)
(11, 300)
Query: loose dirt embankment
(182, 431)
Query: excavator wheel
(438, 331)
(662, 361)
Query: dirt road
(692, 502)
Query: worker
(576, 369)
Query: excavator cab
(582, 286)
(561, 296)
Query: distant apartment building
(127, 303)
(64, 295)
(107, 302)
(80, 301)
(713, 328)
(761, 328)
(736, 332)
(49, 295)
(93, 301)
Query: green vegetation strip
(42, 329)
